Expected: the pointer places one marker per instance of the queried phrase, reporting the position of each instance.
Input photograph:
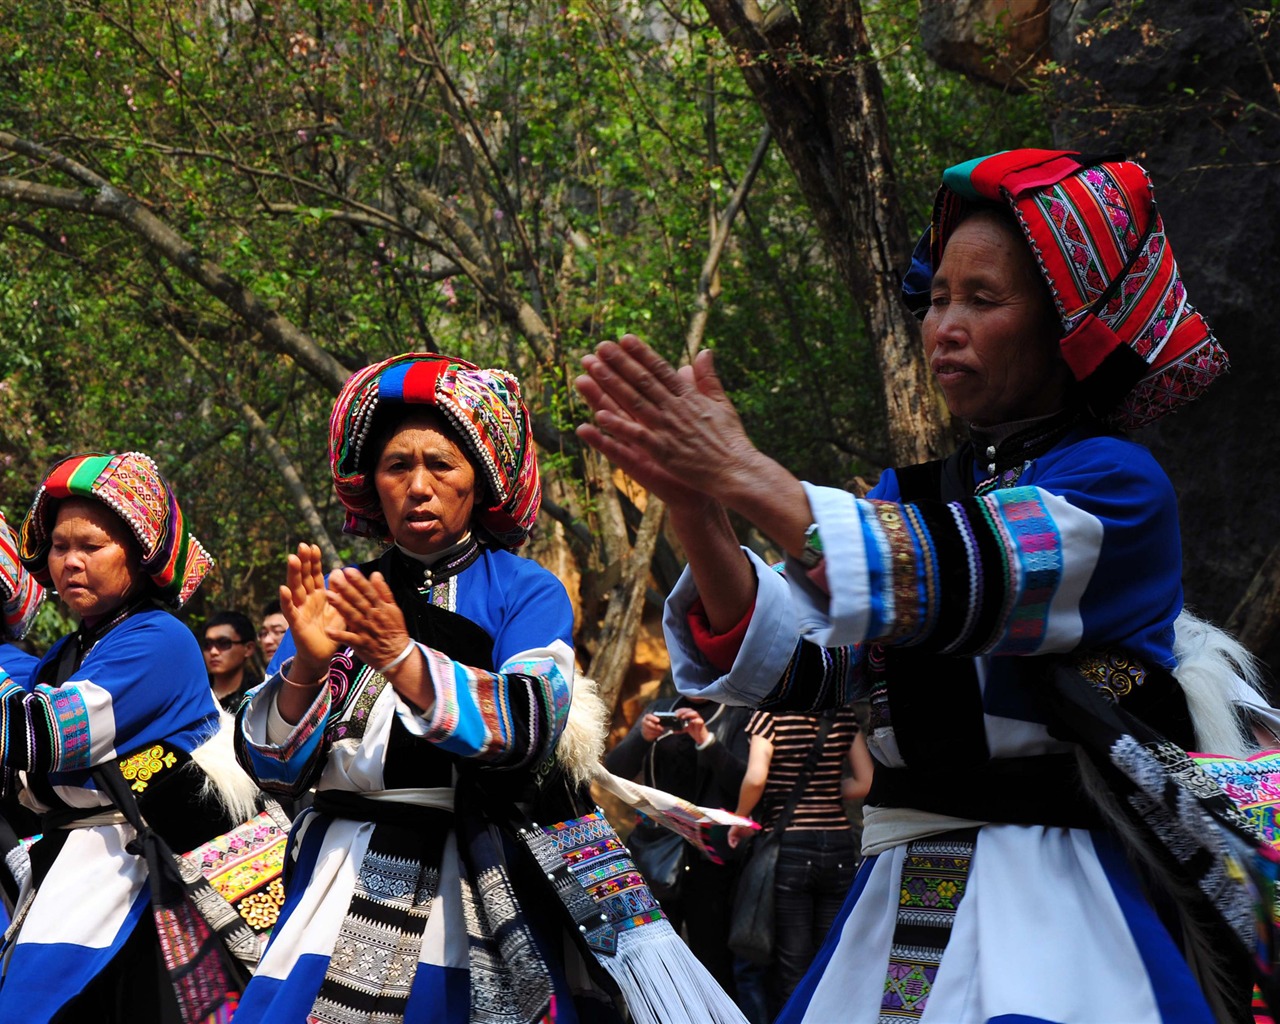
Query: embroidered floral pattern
(261, 910)
(141, 768)
(1113, 673)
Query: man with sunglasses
(229, 644)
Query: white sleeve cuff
(841, 617)
(767, 648)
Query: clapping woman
(1011, 612)
(424, 703)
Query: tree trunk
(821, 94)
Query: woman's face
(94, 559)
(426, 485)
(990, 334)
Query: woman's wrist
(303, 675)
(409, 647)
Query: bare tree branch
(296, 489)
(105, 200)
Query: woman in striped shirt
(817, 857)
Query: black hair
(238, 621)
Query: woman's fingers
(381, 588)
(705, 379)
(641, 388)
(373, 625)
(648, 371)
(316, 566)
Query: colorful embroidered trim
(71, 718)
(1112, 672)
(20, 594)
(245, 867)
(477, 712)
(935, 872)
(1010, 551)
(599, 860)
(141, 768)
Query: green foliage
(937, 117)
(334, 158)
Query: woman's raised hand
(677, 434)
(310, 616)
(372, 624)
(674, 432)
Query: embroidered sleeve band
(43, 731)
(508, 718)
(1001, 573)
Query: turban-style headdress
(483, 407)
(132, 487)
(1136, 346)
(20, 594)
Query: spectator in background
(271, 632)
(228, 646)
(818, 857)
(702, 759)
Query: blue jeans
(815, 870)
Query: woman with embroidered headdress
(424, 702)
(126, 691)
(1012, 612)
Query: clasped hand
(354, 611)
(664, 427)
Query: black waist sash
(1041, 790)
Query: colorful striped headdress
(483, 407)
(1133, 342)
(20, 594)
(131, 486)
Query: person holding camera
(695, 749)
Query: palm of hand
(315, 620)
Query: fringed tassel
(664, 983)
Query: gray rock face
(1189, 89)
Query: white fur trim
(225, 780)
(1216, 673)
(581, 745)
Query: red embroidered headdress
(132, 487)
(1136, 346)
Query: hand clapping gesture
(356, 612)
